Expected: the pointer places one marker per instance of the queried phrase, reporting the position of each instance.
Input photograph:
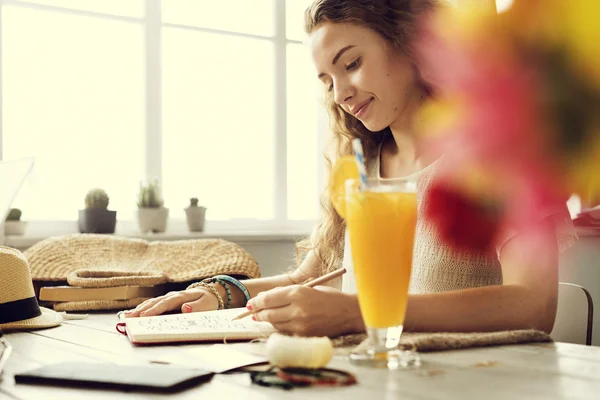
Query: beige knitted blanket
(437, 341)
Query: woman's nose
(343, 92)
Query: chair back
(574, 315)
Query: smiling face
(368, 77)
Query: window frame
(153, 25)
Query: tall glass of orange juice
(381, 218)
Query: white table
(533, 371)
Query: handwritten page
(209, 325)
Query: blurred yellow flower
(466, 22)
(436, 117)
(582, 34)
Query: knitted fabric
(439, 341)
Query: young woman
(364, 55)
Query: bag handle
(109, 278)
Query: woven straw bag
(92, 260)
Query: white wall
(273, 257)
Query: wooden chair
(574, 315)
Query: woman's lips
(363, 109)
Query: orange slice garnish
(345, 168)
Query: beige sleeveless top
(438, 267)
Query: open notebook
(208, 326)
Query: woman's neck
(404, 153)
(399, 157)
(403, 129)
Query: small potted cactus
(13, 224)
(152, 215)
(96, 218)
(195, 216)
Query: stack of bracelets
(225, 281)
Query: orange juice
(382, 227)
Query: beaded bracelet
(225, 285)
(236, 283)
(210, 288)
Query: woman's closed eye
(353, 65)
(349, 67)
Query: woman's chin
(373, 127)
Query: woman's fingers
(274, 298)
(274, 315)
(206, 302)
(170, 301)
(166, 304)
(142, 307)
(292, 328)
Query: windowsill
(237, 236)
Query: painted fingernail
(249, 307)
(253, 318)
(187, 308)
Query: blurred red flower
(462, 222)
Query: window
(72, 90)
(217, 104)
(303, 148)
(256, 17)
(125, 8)
(503, 5)
(218, 142)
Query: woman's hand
(304, 311)
(190, 300)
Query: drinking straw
(360, 163)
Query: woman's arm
(201, 299)
(527, 298)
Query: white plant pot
(195, 217)
(152, 219)
(14, 228)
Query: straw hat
(19, 308)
